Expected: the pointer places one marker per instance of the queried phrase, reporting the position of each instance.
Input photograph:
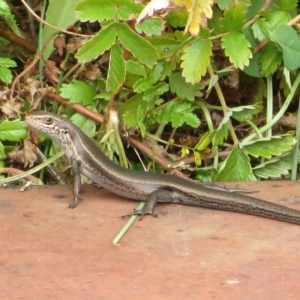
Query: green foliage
(235, 168)
(195, 60)
(289, 41)
(5, 72)
(61, 15)
(12, 130)
(8, 17)
(163, 71)
(78, 92)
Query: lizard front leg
(77, 181)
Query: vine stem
(223, 104)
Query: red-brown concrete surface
(48, 251)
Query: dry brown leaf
(91, 71)
(289, 120)
(74, 44)
(51, 71)
(60, 44)
(10, 109)
(26, 155)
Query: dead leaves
(199, 11)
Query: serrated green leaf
(98, 44)
(138, 46)
(177, 114)
(223, 3)
(156, 90)
(237, 49)
(141, 85)
(156, 73)
(87, 125)
(277, 19)
(7, 62)
(274, 168)
(234, 17)
(261, 29)
(288, 4)
(236, 167)
(99, 10)
(270, 59)
(183, 89)
(165, 47)
(78, 92)
(195, 60)
(12, 130)
(133, 112)
(150, 26)
(135, 67)
(116, 70)
(268, 147)
(5, 75)
(289, 41)
(221, 133)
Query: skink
(87, 159)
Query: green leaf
(177, 114)
(221, 133)
(274, 168)
(288, 4)
(5, 75)
(195, 59)
(2, 153)
(183, 89)
(236, 48)
(270, 59)
(156, 90)
(177, 18)
(60, 14)
(12, 130)
(7, 62)
(150, 26)
(165, 47)
(141, 85)
(133, 112)
(98, 44)
(135, 67)
(138, 46)
(99, 10)
(78, 92)
(277, 19)
(223, 3)
(268, 147)
(6, 14)
(243, 113)
(87, 125)
(261, 29)
(236, 167)
(289, 41)
(156, 73)
(116, 71)
(234, 17)
(203, 142)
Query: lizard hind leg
(156, 196)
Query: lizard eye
(49, 121)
